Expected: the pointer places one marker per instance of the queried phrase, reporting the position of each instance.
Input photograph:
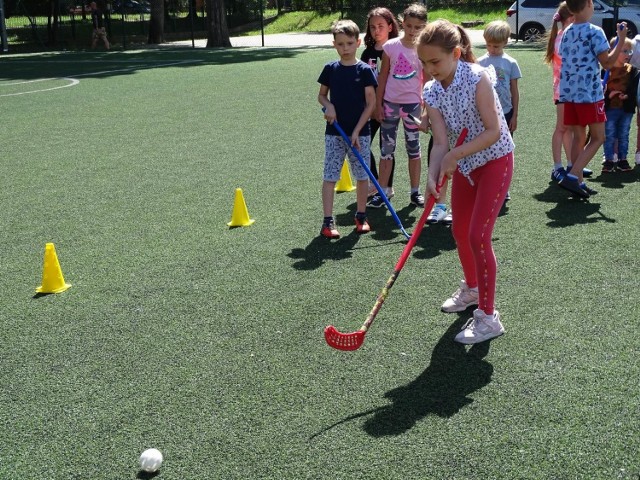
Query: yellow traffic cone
(240, 215)
(345, 184)
(52, 279)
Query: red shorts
(584, 113)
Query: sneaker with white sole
(480, 328)
(417, 199)
(376, 201)
(462, 299)
(557, 174)
(448, 218)
(437, 214)
(623, 166)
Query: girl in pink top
(562, 134)
(398, 95)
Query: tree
(217, 30)
(52, 22)
(156, 24)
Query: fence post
(124, 32)
(3, 28)
(262, 21)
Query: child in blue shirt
(347, 93)
(583, 46)
(496, 37)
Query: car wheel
(532, 32)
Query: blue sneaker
(588, 189)
(585, 171)
(570, 182)
(558, 174)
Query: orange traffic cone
(52, 279)
(240, 214)
(345, 184)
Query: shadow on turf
(618, 179)
(118, 63)
(569, 211)
(433, 240)
(443, 388)
(384, 227)
(142, 475)
(321, 249)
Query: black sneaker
(623, 166)
(571, 183)
(376, 201)
(417, 199)
(608, 166)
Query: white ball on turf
(150, 460)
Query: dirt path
(299, 40)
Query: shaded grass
(206, 342)
(310, 21)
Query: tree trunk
(156, 24)
(52, 23)
(217, 30)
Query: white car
(532, 18)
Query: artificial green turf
(206, 342)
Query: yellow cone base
(52, 279)
(345, 184)
(65, 287)
(240, 214)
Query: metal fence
(70, 27)
(68, 30)
(366, 5)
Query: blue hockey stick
(371, 177)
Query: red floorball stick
(354, 340)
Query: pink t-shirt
(404, 84)
(557, 65)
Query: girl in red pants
(461, 95)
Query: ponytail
(465, 46)
(551, 41)
(560, 16)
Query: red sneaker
(329, 231)
(362, 226)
